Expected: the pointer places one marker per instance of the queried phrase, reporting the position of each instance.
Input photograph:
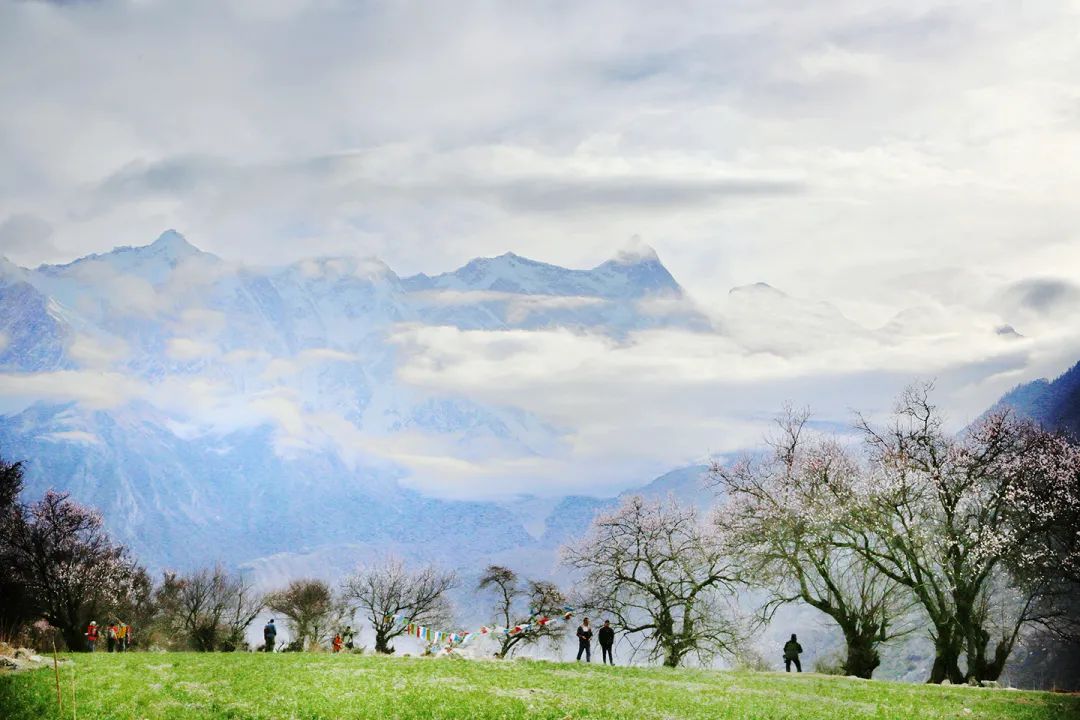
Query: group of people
(118, 636)
(343, 639)
(605, 636)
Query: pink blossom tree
(786, 516)
(68, 565)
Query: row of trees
(975, 536)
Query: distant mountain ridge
(1053, 403)
(294, 364)
(217, 410)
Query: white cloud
(73, 436)
(185, 349)
(519, 306)
(884, 156)
(98, 353)
(95, 390)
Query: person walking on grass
(270, 635)
(606, 637)
(92, 635)
(584, 636)
(121, 637)
(792, 648)
(110, 638)
(347, 637)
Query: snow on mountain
(216, 410)
(626, 276)
(765, 319)
(257, 412)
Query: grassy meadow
(242, 685)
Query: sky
(888, 157)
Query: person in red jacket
(91, 635)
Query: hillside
(243, 685)
(1053, 403)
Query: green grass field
(242, 685)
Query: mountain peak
(173, 244)
(636, 255)
(760, 288)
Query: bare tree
(389, 589)
(525, 609)
(208, 609)
(244, 605)
(785, 518)
(67, 565)
(951, 518)
(661, 572)
(312, 609)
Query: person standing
(347, 636)
(270, 635)
(121, 637)
(584, 636)
(110, 637)
(606, 637)
(92, 635)
(792, 648)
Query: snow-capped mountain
(264, 415)
(217, 411)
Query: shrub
(831, 664)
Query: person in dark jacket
(584, 636)
(270, 635)
(606, 637)
(792, 648)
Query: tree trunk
(382, 645)
(74, 639)
(946, 660)
(979, 668)
(862, 656)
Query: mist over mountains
(306, 416)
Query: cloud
(911, 162)
(25, 235)
(1044, 295)
(73, 436)
(95, 390)
(184, 349)
(97, 353)
(519, 306)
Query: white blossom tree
(956, 519)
